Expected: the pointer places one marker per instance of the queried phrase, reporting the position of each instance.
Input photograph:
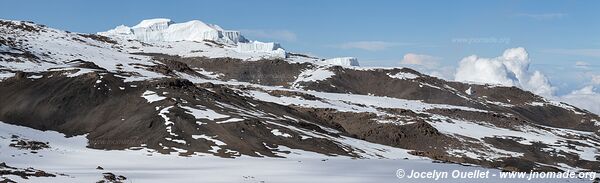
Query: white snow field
(70, 157)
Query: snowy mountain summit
(162, 29)
(165, 30)
(190, 39)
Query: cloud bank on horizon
(512, 69)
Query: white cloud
(418, 59)
(442, 72)
(510, 69)
(369, 45)
(584, 98)
(539, 84)
(281, 35)
(582, 65)
(596, 80)
(427, 64)
(543, 16)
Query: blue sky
(557, 34)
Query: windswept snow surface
(69, 156)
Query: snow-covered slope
(224, 98)
(70, 161)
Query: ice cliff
(343, 61)
(274, 49)
(165, 30)
(162, 29)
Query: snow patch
(231, 120)
(151, 96)
(209, 138)
(313, 75)
(203, 113)
(5, 75)
(276, 132)
(163, 113)
(403, 75)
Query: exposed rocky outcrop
(20, 172)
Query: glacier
(166, 31)
(343, 61)
(163, 29)
(272, 49)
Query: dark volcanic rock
(23, 173)
(265, 72)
